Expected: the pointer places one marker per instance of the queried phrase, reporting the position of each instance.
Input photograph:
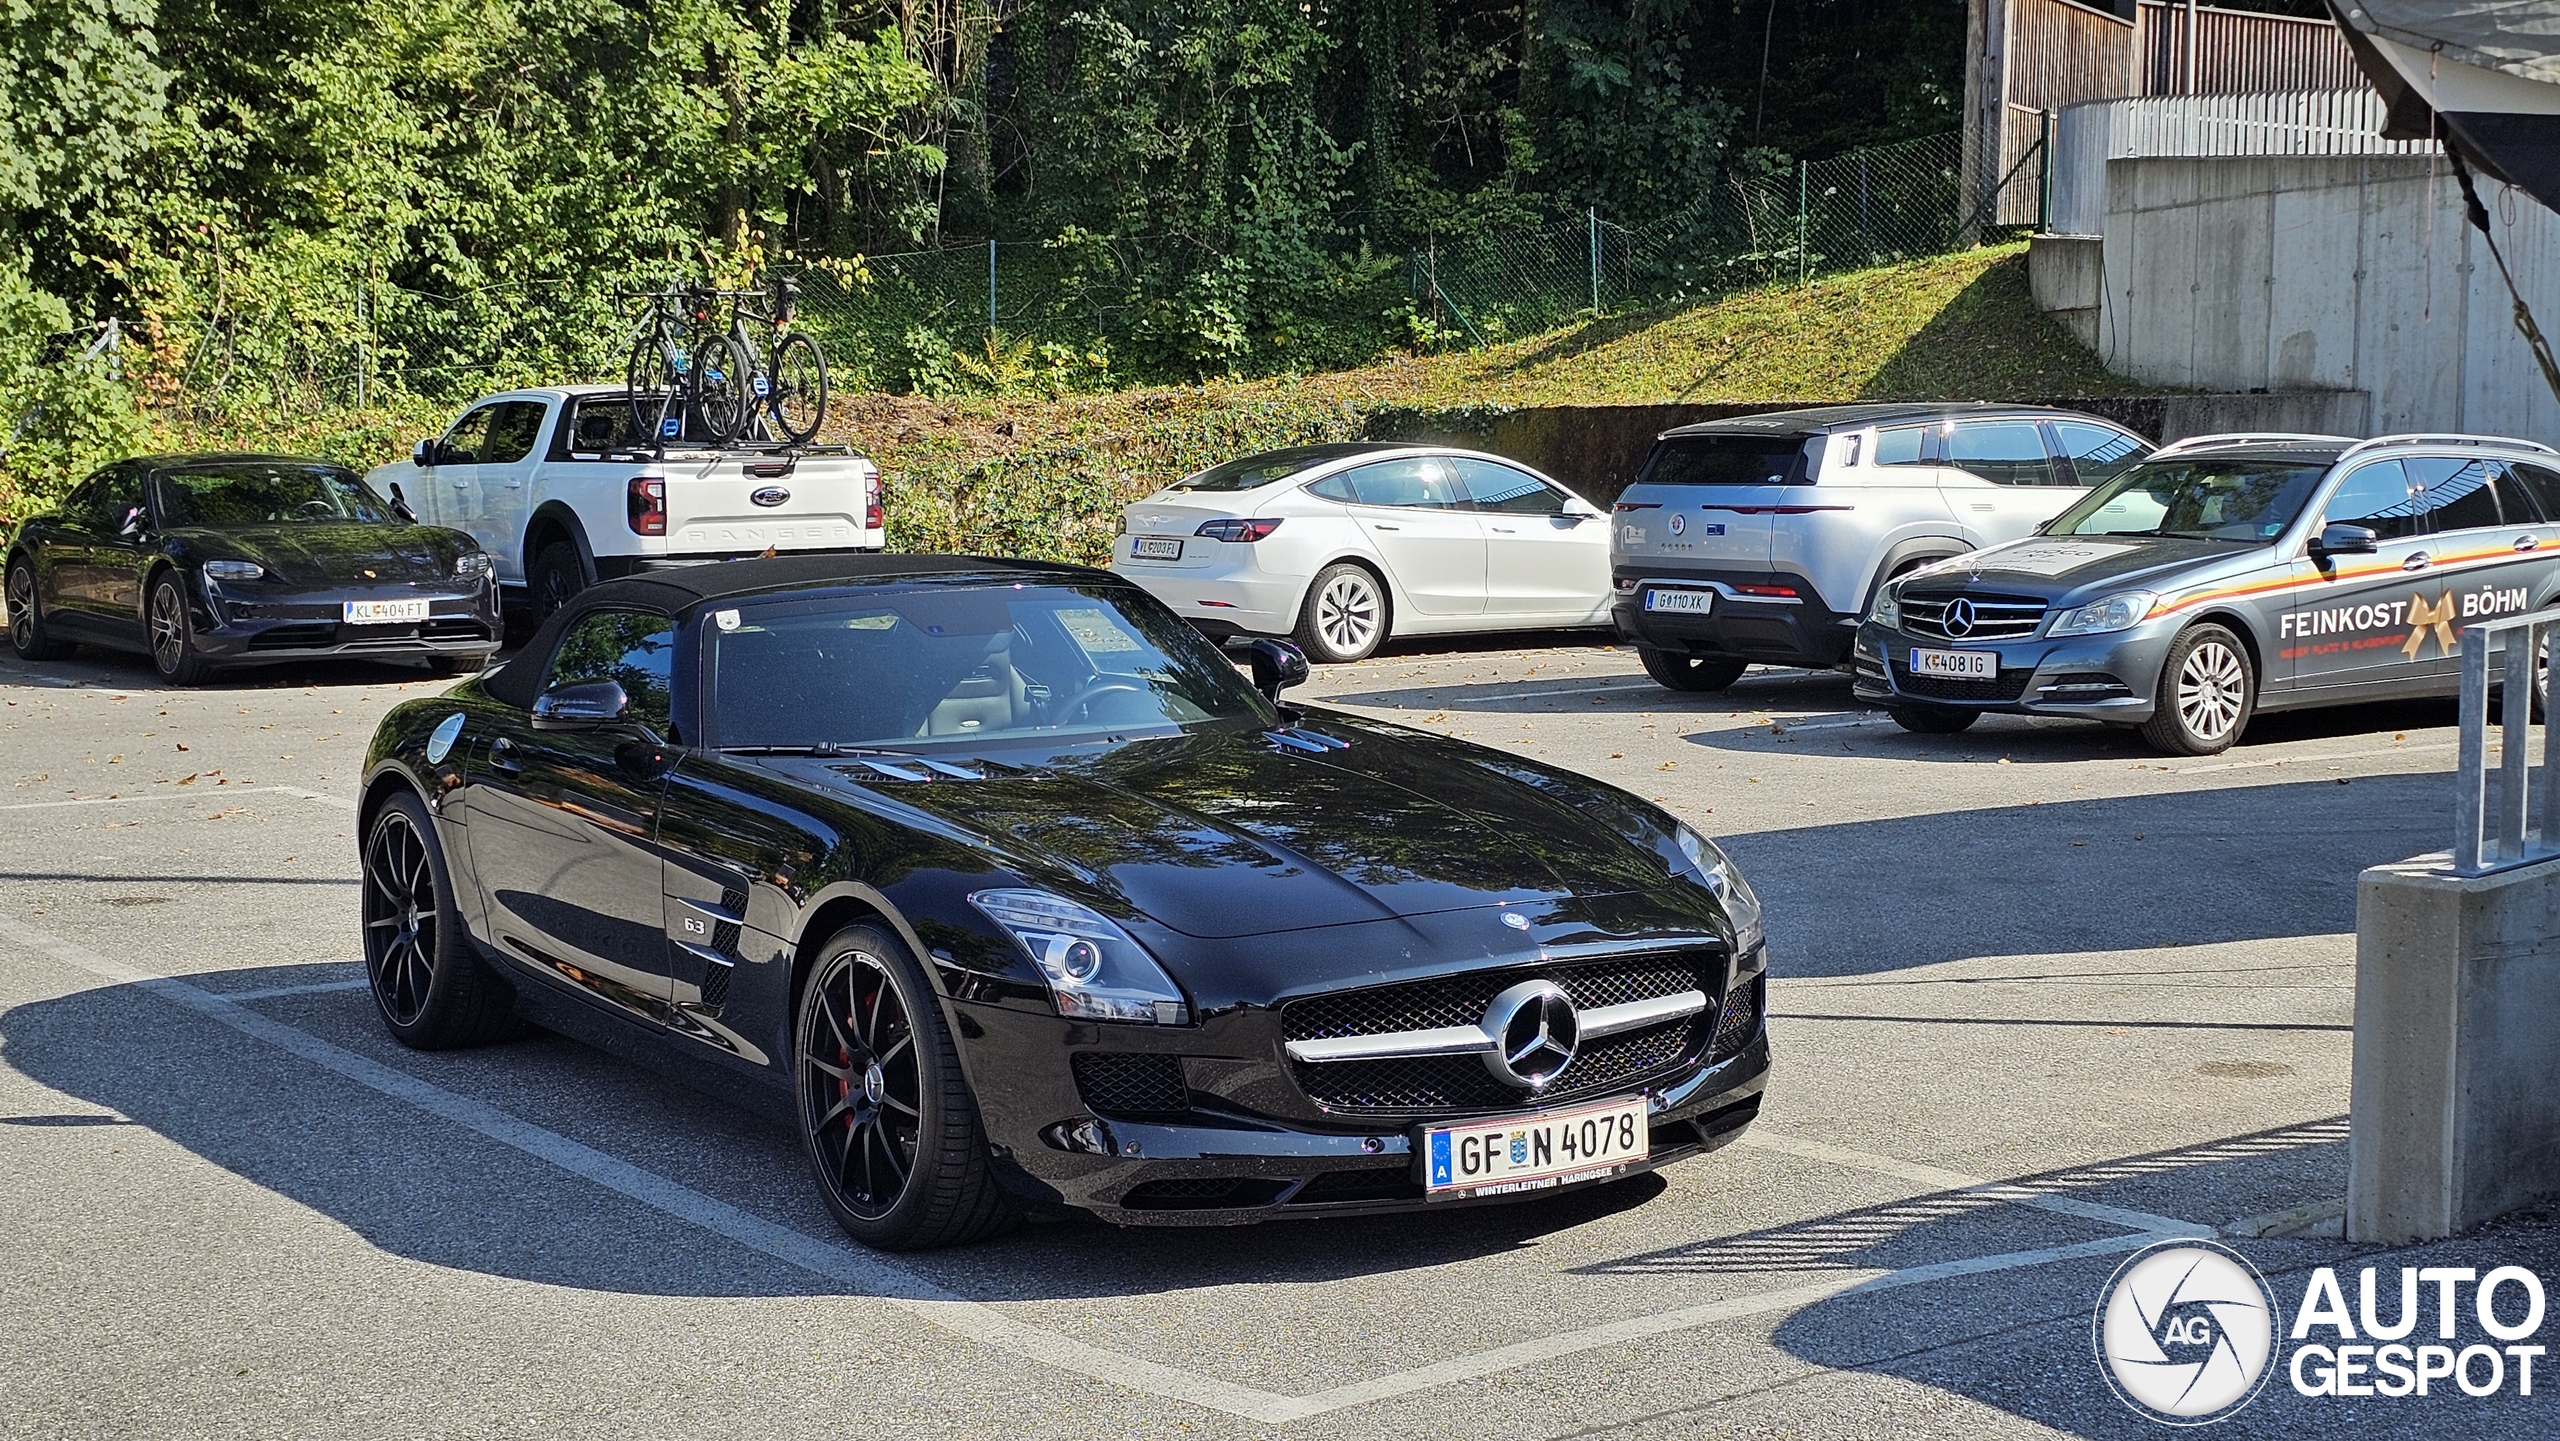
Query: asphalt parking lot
(2039, 997)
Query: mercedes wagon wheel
(29, 636)
(1693, 673)
(2206, 694)
(886, 1119)
(433, 992)
(173, 634)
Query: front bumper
(1238, 1141)
(2111, 677)
(258, 623)
(1746, 620)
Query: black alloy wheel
(432, 991)
(1933, 720)
(173, 634)
(1691, 673)
(28, 634)
(555, 578)
(885, 1117)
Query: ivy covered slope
(1020, 475)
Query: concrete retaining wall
(2346, 273)
(2455, 1117)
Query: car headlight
(1887, 611)
(2116, 612)
(1717, 872)
(233, 570)
(472, 565)
(1094, 969)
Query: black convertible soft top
(679, 588)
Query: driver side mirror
(400, 505)
(423, 454)
(1277, 665)
(2338, 538)
(133, 523)
(582, 706)
(1578, 510)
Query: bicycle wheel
(653, 380)
(721, 407)
(796, 388)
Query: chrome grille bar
(1476, 1040)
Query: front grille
(1202, 1193)
(1129, 1083)
(293, 637)
(1376, 1183)
(2011, 685)
(1424, 1084)
(1995, 617)
(1740, 1022)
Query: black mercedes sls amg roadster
(1014, 893)
(208, 561)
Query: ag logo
(2185, 1331)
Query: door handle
(2417, 561)
(502, 758)
(1373, 525)
(516, 484)
(2526, 542)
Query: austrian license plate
(1533, 1153)
(1155, 547)
(384, 612)
(1695, 602)
(1957, 664)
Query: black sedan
(204, 561)
(1008, 888)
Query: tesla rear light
(1246, 531)
(648, 505)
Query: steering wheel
(1097, 689)
(316, 509)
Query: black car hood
(2069, 567)
(1222, 835)
(331, 552)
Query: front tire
(1345, 615)
(2207, 691)
(28, 633)
(886, 1119)
(1691, 673)
(173, 634)
(432, 990)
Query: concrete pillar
(2455, 1117)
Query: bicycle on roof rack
(688, 377)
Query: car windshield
(1730, 460)
(266, 492)
(977, 662)
(2200, 498)
(1272, 466)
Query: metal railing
(2525, 832)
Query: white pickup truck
(553, 486)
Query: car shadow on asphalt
(418, 1187)
(2113, 873)
(105, 670)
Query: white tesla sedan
(1342, 546)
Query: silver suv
(1764, 538)
(2227, 575)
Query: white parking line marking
(979, 1321)
(2307, 760)
(1956, 1181)
(297, 792)
(1533, 694)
